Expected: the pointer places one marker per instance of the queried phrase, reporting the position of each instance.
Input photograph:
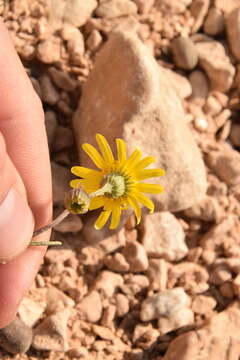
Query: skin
(24, 166)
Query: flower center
(118, 183)
(113, 186)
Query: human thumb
(16, 219)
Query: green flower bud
(77, 201)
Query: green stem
(55, 222)
(107, 188)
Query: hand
(25, 180)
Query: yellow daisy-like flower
(117, 184)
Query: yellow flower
(117, 185)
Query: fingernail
(16, 226)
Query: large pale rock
(214, 60)
(128, 96)
(233, 32)
(164, 304)
(219, 340)
(163, 236)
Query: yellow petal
(94, 155)
(144, 200)
(145, 162)
(105, 148)
(149, 173)
(136, 208)
(87, 185)
(121, 150)
(84, 172)
(133, 159)
(149, 188)
(97, 202)
(116, 214)
(102, 219)
(75, 184)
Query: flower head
(117, 185)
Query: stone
(94, 40)
(144, 7)
(164, 304)
(200, 87)
(30, 311)
(233, 32)
(192, 277)
(180, 83)
(90, 307)
(203, 304)
(72, 224)
(158, 274)
(214, 23)
(184, 52)
(75, 43)
(122, 305)
(77, 12)
(60, 177)
(217, 340)
(145, 103)
(207, 210)
(218, 67)
(164, 237)
(200, 124)
(51, 125)
(225, 164)
(59, 255)
(179, 319)
(61, 79)
(57, 301)
(16, 337)
(48, 51)
(114, 8)
(51, 334)
(107, 282)
(199, 10)
(235, 134)
(212, 107)
(117, 262)
(226, 6)
(49, 93)
(103, 332)
(136, 256)
(172, 6)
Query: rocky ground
(164, 75)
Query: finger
(16, 219)
(15, 281)
(22, 124)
